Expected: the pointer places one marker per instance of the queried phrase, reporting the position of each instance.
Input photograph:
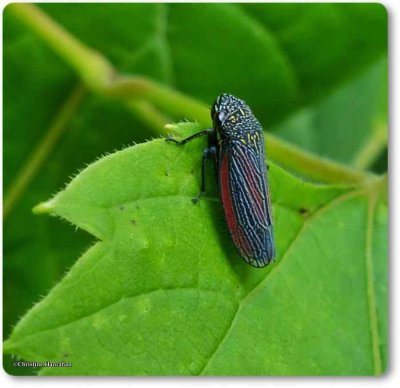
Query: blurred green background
(314, 74)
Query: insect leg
(207, 154)
(207, 131)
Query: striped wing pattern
(245, 198)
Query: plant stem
(375, 191)
(42, 151)
(372, 148)
(99, 75)
(175, 103)
(94, 69)
(310, 165)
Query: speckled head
(231, 115)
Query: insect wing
(245, 198)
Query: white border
(392, 375)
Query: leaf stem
(42, 151)
(99, 75)
(175, 103)
(372, 148)
(310, 165)
(374, 191)
(94, 69)
(97, 72)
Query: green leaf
(163, 291)
(319, 40)
(340, 126)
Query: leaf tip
(8, 347)
(182, 128)
(171, 128)
(44, 207)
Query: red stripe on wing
(239, 238)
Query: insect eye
(219, 117)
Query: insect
(236, 145)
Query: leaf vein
(252, 292)
(371, 302)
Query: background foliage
(315, 75)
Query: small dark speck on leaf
(66, 355)
(121, 207)
(192, 171)
(303, 212)
(133, 222)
